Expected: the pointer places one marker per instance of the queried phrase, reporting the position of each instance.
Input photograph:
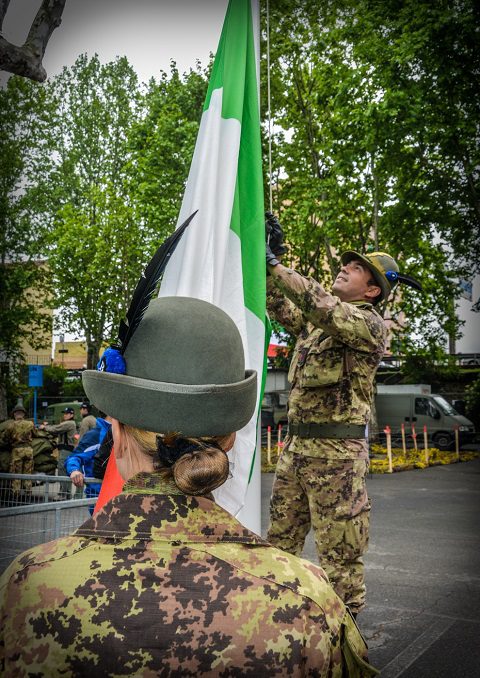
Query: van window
(444, 405)
(421, 406)
(426, 407)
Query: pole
(269, 104)
(414, 436)
(269, 444)
(425, 443)
(404, 442)
(35, 405)
(279, 440)
(388, 432)
(457, 442)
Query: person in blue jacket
(79, 464)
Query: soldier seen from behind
(162, 580)
(17, 434)
(340, 341)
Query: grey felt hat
(185, 372)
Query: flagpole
(269, 111)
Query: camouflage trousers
(329, 496)
(21, 461)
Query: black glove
(270, 257)
(274, 234)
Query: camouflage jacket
(18, 432)
(339, 346)
(159, 583)
(66, 431)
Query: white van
(414, 404)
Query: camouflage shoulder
(40, 556)
(286, 570)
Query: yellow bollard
(269, 444)
(457, 442)
(425, 444)
(388, 432)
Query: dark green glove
(274, 234)
(270, 257)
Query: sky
(151, 33)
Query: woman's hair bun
(202, 470)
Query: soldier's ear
(372, 292)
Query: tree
(123, 159)
(27, 59)
(376, 142)
(25, 111)
(162, 144)
(95, 241)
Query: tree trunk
(93, 350)
(3, 401)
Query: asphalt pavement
(422, 618)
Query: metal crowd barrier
(37, 508)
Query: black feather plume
(147, 284)
(408, 280)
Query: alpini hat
(379, 263)
(384, 269)
(184, 371)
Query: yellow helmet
(383, 267)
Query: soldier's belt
(339, 431)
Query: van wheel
(443, 441)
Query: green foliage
(95, 241)
(376, 144)
(116, 190)
(25, 139)
(74, 389)
(472, 401)
(53, 380)
(162, 144)
(427, 367)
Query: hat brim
(381, 282)
(194, 411)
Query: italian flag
(221, 256)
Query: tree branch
(27, 60)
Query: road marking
(412, 652)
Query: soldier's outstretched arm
(283, 310)
(324, 310)
(62, 427)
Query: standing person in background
(88, 420)
(66, 432)
(80, 463)
(320, 479)
(162, 580)
(18, 433)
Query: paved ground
(422, 570)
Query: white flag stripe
(220, 258)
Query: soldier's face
(18, 415)
(354, 283)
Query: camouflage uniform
(160, 583)
(320, 481)
(19, 434)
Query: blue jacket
(81, 459)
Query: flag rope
(269, 116)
